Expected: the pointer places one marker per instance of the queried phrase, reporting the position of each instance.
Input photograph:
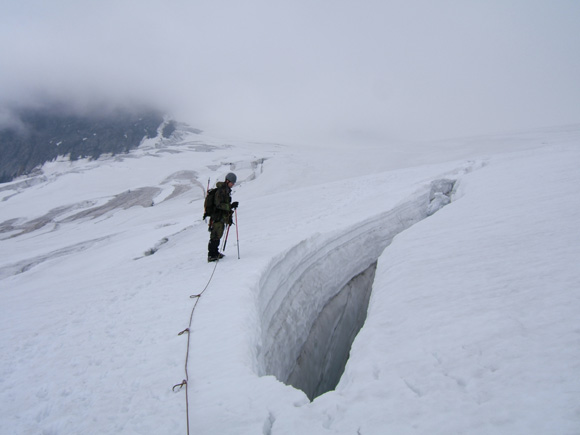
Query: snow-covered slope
(473, 319)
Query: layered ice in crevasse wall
(314, 297)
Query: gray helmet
(231, 177)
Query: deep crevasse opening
(323, 357)
(313, 299)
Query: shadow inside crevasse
(323, 357)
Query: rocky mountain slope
(42, 134)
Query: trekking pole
(237, 235)
(207, 190)
(226, 239)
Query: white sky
(305, 71)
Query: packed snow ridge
(314, 297)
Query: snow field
(472, 324)
(479, 336)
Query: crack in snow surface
(314, 298)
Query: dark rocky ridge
(45, 134)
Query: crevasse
(313, 298)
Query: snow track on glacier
(300, 293)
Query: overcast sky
(305, 71)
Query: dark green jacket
(222, 202)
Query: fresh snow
(473, 323)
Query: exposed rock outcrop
(46, 133)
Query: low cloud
(9, 119)
(301, 71)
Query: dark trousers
(216, 233)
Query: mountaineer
(219, 207)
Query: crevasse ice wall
(313, 298)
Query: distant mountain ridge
(45, 134)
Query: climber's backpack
(209, 203)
